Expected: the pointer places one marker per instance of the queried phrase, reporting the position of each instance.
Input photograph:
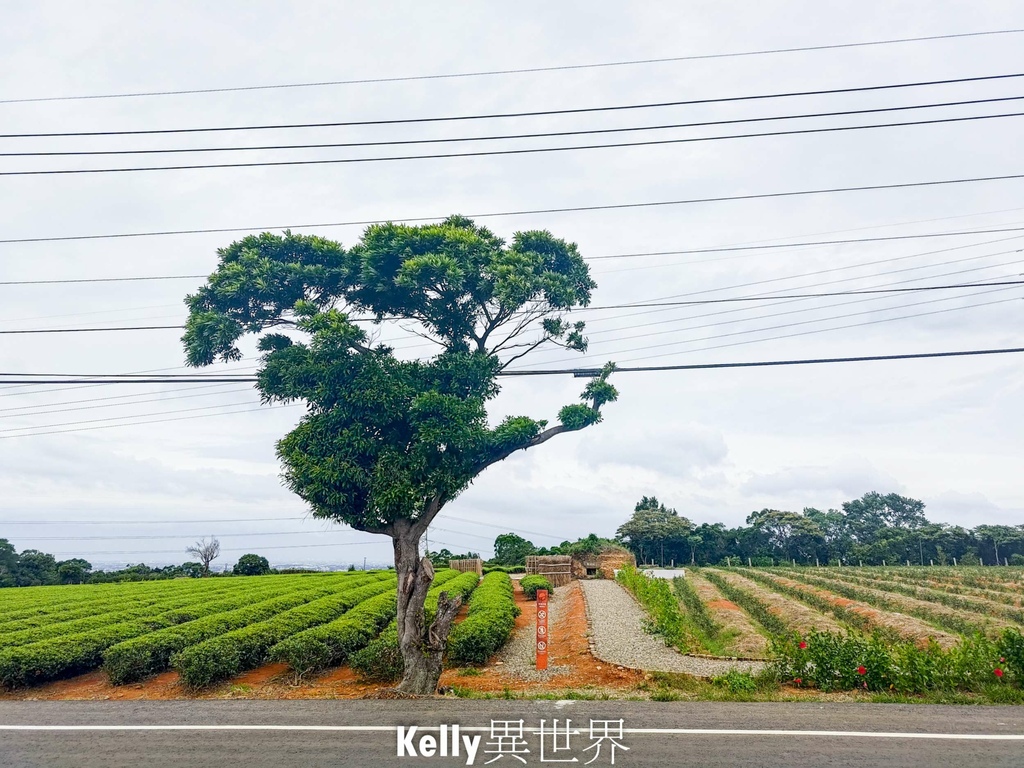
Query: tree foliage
(512, 549)
(252, 565)
(387, 441)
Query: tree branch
(543, 437)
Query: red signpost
(542, 629)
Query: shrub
(695, 609)
(227, 655)
(489, 623)
(517, 569)
(68, 654)
(530, 585)
(1011, 648)
(655, 595)
(141, 656)
(333, 643)
(832, 662)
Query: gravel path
(518, 658)
(616, 625)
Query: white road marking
(634, 731)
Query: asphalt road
(310, 734)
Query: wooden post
(542, 629)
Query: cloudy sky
(129, 474)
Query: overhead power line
(535, 113)
(527, 212)
(501, 152)
(695, 367)
(771, 363)
(93, 330)
(519, 71)
(131, 279)
(153, 522)
(636, 305)
(515, 136)
(681, 252)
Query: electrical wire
(500, 152)
(608, 306)
(508, 137)
(523, 70)
(723, 249)
(536, 113)
(5, 415)
(530, 212)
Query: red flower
(802, 645)
(998, 672)
(797, 680)
(862, 670)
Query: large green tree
(652, 528)
(386, 441)
(512, 549)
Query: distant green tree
(864, 517)
(442, 558)
(8, 564)
(1006, 537)
(512, 549)
(252, 565)
(652, 528)
(791, 536)
(74, 571)
(386, 441)
(36, 568)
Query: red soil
(569, 648)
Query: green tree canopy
(511, 549)
(387, 441)
(252, 565)
(652, 528)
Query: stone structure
(603, 564)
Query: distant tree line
(875, 529)
(32, 568)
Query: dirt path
(616, 623)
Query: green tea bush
(488, 624)
(530, 585)
(140, 657)
(333, 643)
(381, 658)
(246, 648)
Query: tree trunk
(422, 651)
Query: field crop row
(844, 628)
(936, 614)
(488, 623)
(239, 650)
(65, 654)
(938, 592)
